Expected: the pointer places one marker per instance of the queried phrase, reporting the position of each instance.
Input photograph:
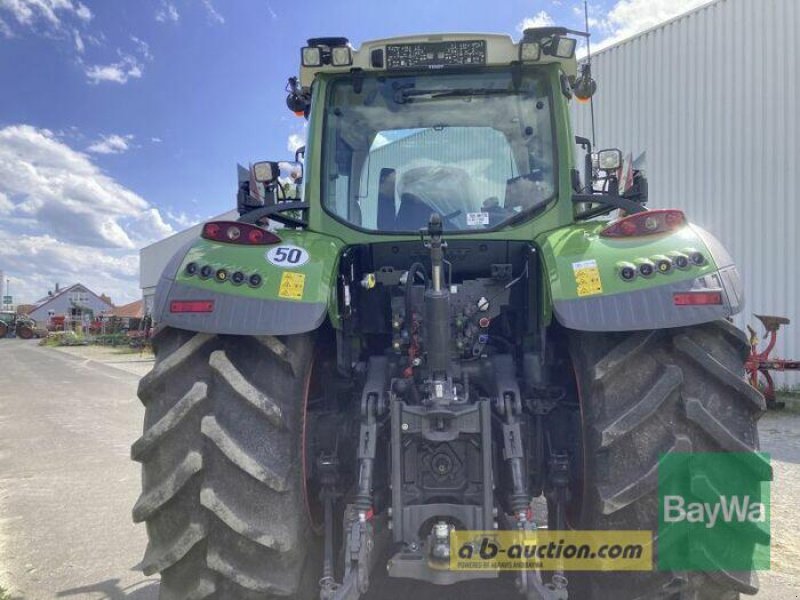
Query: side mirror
(609, 159)
(266, 171)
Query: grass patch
(4, 594)
(63, 338)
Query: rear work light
(191, 306)
(650, 222)
(243, 234)
(699, 298)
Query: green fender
(587, 292)
(297, 283)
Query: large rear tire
(3, 329)
(222, 467)
(644, 394)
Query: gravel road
(67, 485)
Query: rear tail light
(244, 234)
(699, 298)
(191, 306)
(650, 222)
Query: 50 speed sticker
(287, 256)
(292, 285)
(587, 277)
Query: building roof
(134, 310)
(45, 301)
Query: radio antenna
(589, 63)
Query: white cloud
(111, 144)
(167, 12)
(5, 29)
(6, 206)
(127, 68)
(142, 47)
(79, 45)
(35, 262)
(65, 220)
(294, 142)
(30, 12)
(540, 19)
(271, 11)
(83, 13)
(629, 17)
(156, 140)
(213, 15)
(182, 219)
(58, 191)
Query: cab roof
(431, 51)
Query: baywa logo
(714, 511)
(730, 509)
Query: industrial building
(710, 97)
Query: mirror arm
(273, 210)
(610, 200)
(586, 144)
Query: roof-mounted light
(552, 41)
(311, 56)
(561, 47)
(334, 51)
(529, 51)
(341, 56)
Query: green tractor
(18, 325)
(437, 332)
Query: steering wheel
(273, 212)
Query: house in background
(129, 315)
(77, 304)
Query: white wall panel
(712, 97)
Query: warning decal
(292, 285)
(587, 277)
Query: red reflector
(191, 306)
(649, 222)
(696, 298)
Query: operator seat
(386, 194)
(414, 213)
(442, 189)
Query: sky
(122, 121)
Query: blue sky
(121, 121)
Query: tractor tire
(25, 333)
(647, 393)
(222, 473)
(3, 330)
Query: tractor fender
(291, 293)
(587, 292)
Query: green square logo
(714, 510)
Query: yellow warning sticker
(292, 285)
(587, 277)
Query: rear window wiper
(404, 95)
